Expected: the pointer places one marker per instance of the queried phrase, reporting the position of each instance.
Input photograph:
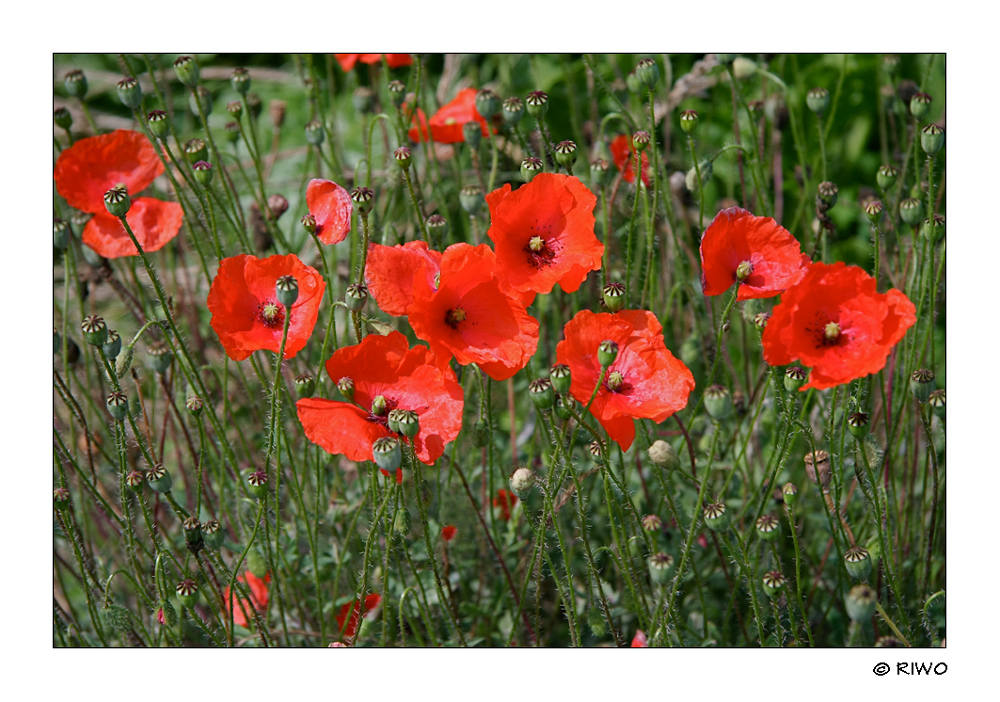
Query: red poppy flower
(544, 233)
(259, 596)
(371, 602)
(835, 322)
(405, 378)
(245, 312)
(639, 640)
(505, 500)
(390, 271)
(331, 206)
(448, 532)
(471, 317)
(160, 618)
(446, 124)
(89, 168)
(348, 61)
(770, 256)
(623, 155)
(644, 382)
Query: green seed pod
(922, 384)
(117, 201)
(315, 133)
(194, 405)
(240, 80)
(308, 223)
(858, 563)
(409, 423)
(566, 153)
(356, 297)
(933, 231)
(659, 567)
(113, 345)
(397, 92)
(404, 158)
(187, 593)
(363, 200)
(187, 71)
(597, 451)
(130, 93)
(561, 378)
(212, 534)
(60, 498)
(402, 523)
(387, 453)
(860, 602)
(615, 381)
(652, 524)
(392, 420)
(62, 118)
(235, 108)
(795, 378)
(886, 177)
(205, 97)
(255, 105)
(641, 141)
(437, 229)
(286, 289)
(379, 406)
(743, 270)
(538, 103)
(931, 139)
(768, 527)
(363, 99)
(718, 402)
(715, 516)
(203, 172)
(874, 211)
(75, 83)
(232, 132)
(521, 482)
(691, 179)
(530, 167)
(470, 197)
(773, 582)
(513, 110)
(664, 455)
(614, 296)
(542, 393)
(195, 150)
(936, 401)
(760, 321)
(911, 211)
(689, 121)
(600, 172)
(346, 388)
(920, 105)
(95, 330)
(305, 384)
(487, 103)
(827, 193)
(857, 424)
(257, 482)
(607, 353)
(790, 494)
(117, 404)
(648, 72)
(472, 133)
(159, 357)
(564, 406)
(159, 479)
(60, 234)
(818, 100)
(192, 534)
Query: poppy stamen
(616, 381)
(744, 270)
(270, 314)
(381, 407)
(831, 332)
(540, 253)
(454, 316)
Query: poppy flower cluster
(445, 127)
(94, 165)
(645, 381)
(384, 374)
(348, 61)
(259, 597)
(246, 313)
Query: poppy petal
(154, 223)
(390, 270)
(339, 428)
(330, 205)
(89, 168)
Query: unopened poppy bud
(113, 345)
(187, 592)
(933, 230)
(75, 83)
(818, 468)
(607, 352)
(472, 133)
(62, 118)
(402, 523)
(600, 171)
(159, 479)
(641, 140)
(211, 533)
(187, 71)
(159, 357)
(194, 405)
(566, 153)
(487, 103)
(760, 320)
(911, 211)
(522, 481)
(790, 494)
(648, 72)
(768, 527)
(795, 378)
(920, 105)
(561, 378)
(286, 289)
(346, 387)
(773, 581)
(689, 121)
(117, 201)
(195, 150)
(470, 197)
(530, 167)
(538, 103)
(240, 80)
(691, 178)
(305, 384)
(542, 393)
(403, 157)
(931, 139)
(715, 516)
(363, 199)
(922, 384)
(827, 193)
(659, 567)
(387, 453)
(652, 523)
(718, 402)
(480, 434)
(857, 424)
(818, 100)
(200, 94)
(874, 211)
(614, 296)
(356, 297)
(513, 110)
(409, 423)
(95, 330)
(362, 99)
(315, 133)
(203, 172)
(130, 93)
(564, 406)
(664, 455)
(397, 92)
(936, 401)
(860, 602)
(858, 563)
(886, 176)
(257, 482)
(60, 233)
(60, 498)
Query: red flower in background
(639, 640)
(331, 206)
(348, 61)
(390, 271)
(259, 596)
(470, 316)
(448, 532)
(446, 124)
(770, 256)
(835, 322)
(245, 312)
(623, 155)
(505, 500)
(405, 378)
(544, 233)
(371, 602)
(644, 382)
(91, 167)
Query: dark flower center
(271, 314)
(454, 316)
(616, 383)
(540, 252)
(827, 332)
(385, 406)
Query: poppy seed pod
(922, 384)
(860, 602)
(95, 330)
(827, 193)
(487, 103)
(561, 378)
(240, 80)
(387, 453)
(130, 93)
(818, 100)
(203, 172)
(530, 167)
(255, 105)
(409, 423)
(194, 405)
(790, 494)
(195, 150)
(403, 157)
(858, 562)
(397, 92)
(232, 130)
(718, 402)
(346, 388)
(936, 400)
(886, 176)
(62, 118)
(211, 533)
(760, 320)
(187, 592)
(60, 233)
(472, 133)
(600, 171)
(565, 153)
(257, 482)
(715, 516)
(773, 581)
(689, 121)
(538, 103)
(437, 228)
(363, 199)
(308, 223)
(60, 498)
(513, 110)
(522, 481)
(857, 424)
(795, 378)
(192, 534)
(659, 567)
(392, 420)
(362, 99)
(920, 105)
(652, 523)
(614, 296)
(542, 393)
(117, 201)
(159, 357)
(615, 381)
(607, 352)
(768, 527)
(75, 83)
(818, 468)
(564, 406)
(641, 140)
(933, 231)
(315, 133)
(648, 72)
(931, 139)
(186, 69)
(159, 479)
(874, 211)
(200, 94)
(379, 406)
(470, 197)
(664, 455)
(134, 480)
(596, 449)
(356, 297)
(305, 384)
(286, 289)
(911, 211)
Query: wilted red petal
(331, 205)
(154, 223)
(390, 270)
(94, 165)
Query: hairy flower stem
(239, 562)
(925, 419)
(701, 191)
(790, 514)
(417, 214)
